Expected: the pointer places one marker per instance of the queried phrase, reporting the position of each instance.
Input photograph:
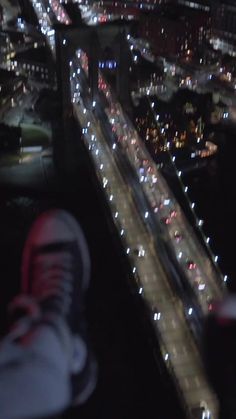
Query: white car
(139, 251)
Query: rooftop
(39, 55)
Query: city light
(136, 160)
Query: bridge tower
(92, 40)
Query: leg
(45, 362)
(34, 374)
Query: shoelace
(53, 279)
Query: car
(177, 236)
(201, 412)
(139, 251)
(173, 214)
(206, 414)
(154, 206)
(191, 265)
(166, 220)
(213, 305)
(156, 313)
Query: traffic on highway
(170, 268)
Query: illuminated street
(174, 273)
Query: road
(176, 342)
(204, 279)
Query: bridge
(170, 268)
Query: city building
(147, 4)
(176, 30)
(11, 86)
(12, 42)
(203, 5)
(33, 63)
(118, 10)
(224, 26)
(5, 45)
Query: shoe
(56, 273)
(56, 264)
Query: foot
(56, 273)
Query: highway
(167, 310)
(203, 278)
(177, 345)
